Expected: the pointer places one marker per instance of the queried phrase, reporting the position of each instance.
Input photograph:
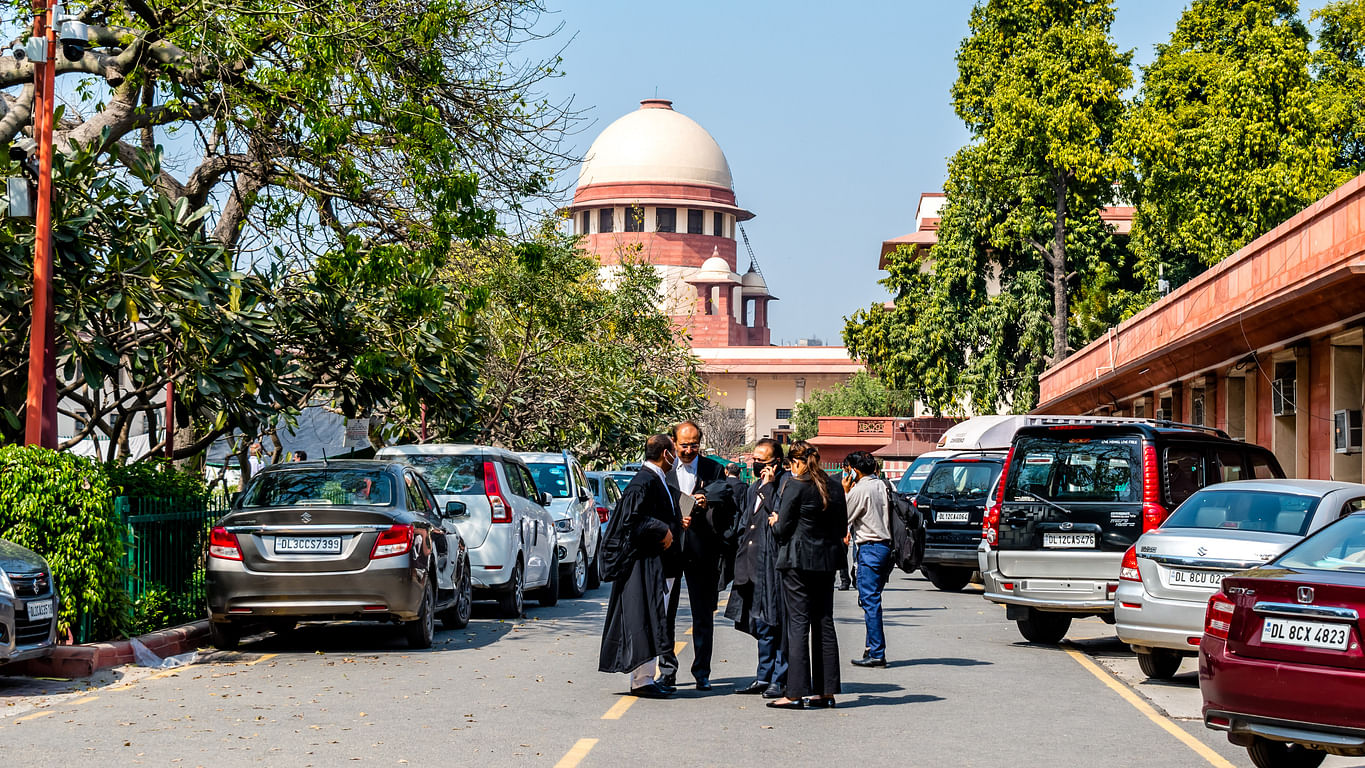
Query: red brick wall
(1320, 409)
(668, 248)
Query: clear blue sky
(834, 118)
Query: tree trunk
(1057, 269)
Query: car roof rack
(1101, 420)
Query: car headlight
(6, 588)
(565, 525)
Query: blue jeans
(772, 654)
(874, 568)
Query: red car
(1281, 665)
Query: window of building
(694, 222)
(587, 223)
(718, 228)
(737, 412)
(665, 219)
(1163, 409)
(635, 219)
(605, 220)
(1197, 407)
(784, 414)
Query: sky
(834, 118)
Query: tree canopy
(862, 395)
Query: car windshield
(1063, 468)
(339, 487)
(551, 478)
(449, 475)
(961, 479)
(1338, 547)
(1245, 511)
(916, 474)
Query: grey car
(338, 540)
(28, 604)
(1170, 573)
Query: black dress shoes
(797, 704)
(651, 691)
(665, 686)
(703, 684)
(823, 703)
(756, 687)
(773, 691)
(668, 681)
(869, 661)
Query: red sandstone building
(655, 186)
(1266, 345)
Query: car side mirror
(456, 509)
(583, 495)
(545, 499)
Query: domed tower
(655, 186)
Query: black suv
(953, 502)
(1076, 493)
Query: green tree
(862, 395)
(1339, 67)
(1226, 134)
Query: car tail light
(223, 545)
(1218, 617)
(1153, 514)
(1128, 571)
(397, 540)
(502, 511)
(602, 513)
(990, 524)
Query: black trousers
(702, 578)
(812, 645)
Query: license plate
(307, 545)
(952, 517)
(40, 609)
(1183, 578)
(1310, 634)
(1069, 540)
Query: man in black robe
(756, 599)
(644, 527)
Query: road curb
(72, 661)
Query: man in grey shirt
(870, 528)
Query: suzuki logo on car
(1305, 594)
(1201, 551)
(307, 518)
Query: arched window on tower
(718, 228)
(665, 219)
(605, 220)
(694, 221)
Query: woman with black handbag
(809, 528)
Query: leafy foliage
(862, 395)
(59, 505)
(156, 479)
(1339, 67)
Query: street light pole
(40, 413)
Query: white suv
(508, 528)
(575, 513)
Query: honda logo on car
(1305, 594)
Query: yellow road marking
(1202, 749)
(619, 708)
(163, 673)
(688, 632)
(34, 716)
(264, 657)
(678, 647)
(576, 755)
(85, 700)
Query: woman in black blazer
(809, 527)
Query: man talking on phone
(707, 508)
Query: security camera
(75, 37)
(34, 49)
(22, 148)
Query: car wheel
(549, 594)
(1158, 663)
(577, 583)
(1044, 628)
(948, 579)
(1278, 754)
(595, 568)
(513, 602)
(422, 630)
(457, 615)
(225, 636)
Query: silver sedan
(1169, 575)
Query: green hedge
(155, 479)
(60, 506)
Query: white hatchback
(576, 520)
(509, 529)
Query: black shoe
(869, 661)
(668, 681)
(756, 687)
(825, 703)
(650, 691)
(797, 704)
(774, 691)
(665, 687)
(703, 684)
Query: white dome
(754, 284)
(655, 144)
(713, 270)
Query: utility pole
(40, 414)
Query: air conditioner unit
(1346, 431)
(1282, 397)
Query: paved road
(962, 690)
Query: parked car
(1076, 492)
(953, 502)
(509, 530)
(1282, 665)
(576, 522)
(322, 540)
(606, 490)
(1168, 576)
(28, 604)
(973, 436)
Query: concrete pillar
(801, 390)
(751, 410)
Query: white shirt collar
(657, 471)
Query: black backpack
(907, 531)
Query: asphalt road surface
(962, 689)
